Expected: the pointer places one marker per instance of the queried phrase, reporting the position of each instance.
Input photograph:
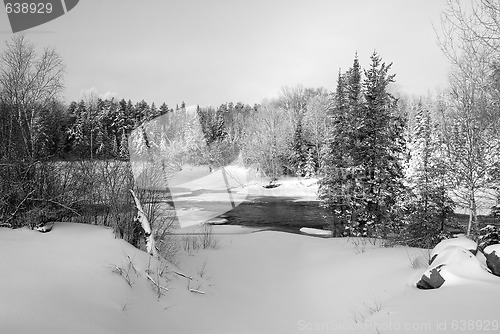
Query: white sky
(208, 52)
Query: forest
(388, 165)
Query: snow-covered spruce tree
(377, 152)
(488, 235)
(336, 185)
(363, 174)
(299, 151)
(220, 124)
(310, 164)
(124, 147)
(426, 207)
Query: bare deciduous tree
(469, 37)
(477, 20)
(29, 82)
(267, 139)
(316, 122)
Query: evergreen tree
(164, 109)
(114, 146)
(335, 188)
(363, 174)
(377, 153)
(154, 112)
(219, 126)
(427, 206)
(299, 151)
(141, 112)
(488, 235)
(124, 154)
(77, 133)
(310, 164)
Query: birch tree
(29, 82)
(469, 37)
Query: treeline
(387, 164)
(83, 130)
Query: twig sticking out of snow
(131, 265)
(124, 274)
(183, 275)
(156, 284)
(197, 291)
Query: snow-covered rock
(45, 227)
(452, 265)
(492, 254)
(217, 221)
(315, 231)
(460, 241)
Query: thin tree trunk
(472, 213)
(141, 217)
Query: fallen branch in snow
(197, 291)
(156, 284)
(181, 274)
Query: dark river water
(275, 213)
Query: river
(281, 213)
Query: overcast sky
(208, 52)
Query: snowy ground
(256, 281)
(262, 282)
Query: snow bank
(315, 231)
(300, 189)
(62, 282)
(493, 248)
(461, 241)
(460, 264)
(261, 282)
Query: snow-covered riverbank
(263, 282)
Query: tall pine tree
(427, 206)
(363, 174)
(336, 186)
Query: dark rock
(269, 186)
(491, 253)
(431, 279)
